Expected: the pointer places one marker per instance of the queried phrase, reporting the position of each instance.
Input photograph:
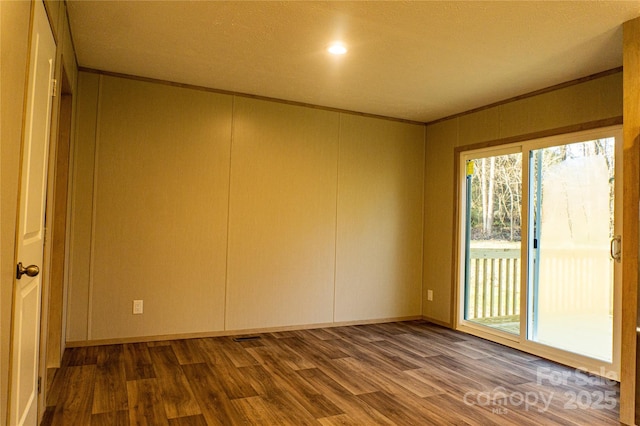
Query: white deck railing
(571, 281)
(494, 283)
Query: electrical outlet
(430, 295)
(137, 307)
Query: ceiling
(415, 60)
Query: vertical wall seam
(335, 239)
(96, 138)
(424, 211)
(226, 269)
(454, 304)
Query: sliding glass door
(572, 210)
(493, 198)
(539, 243)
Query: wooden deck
(409, 373)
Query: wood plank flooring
(407, 373)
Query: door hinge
(54, 87)
(40, 384)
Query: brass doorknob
(31, 270)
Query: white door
(30, 238)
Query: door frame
(612, 370)
(53, 306)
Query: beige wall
(379, 230)
(81, 205)
(594, 100)
(161, 189)
(282, 215)
(224, 212)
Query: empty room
(319, 213)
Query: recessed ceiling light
(337, 48)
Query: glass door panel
(571, 279)
(492, 247)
